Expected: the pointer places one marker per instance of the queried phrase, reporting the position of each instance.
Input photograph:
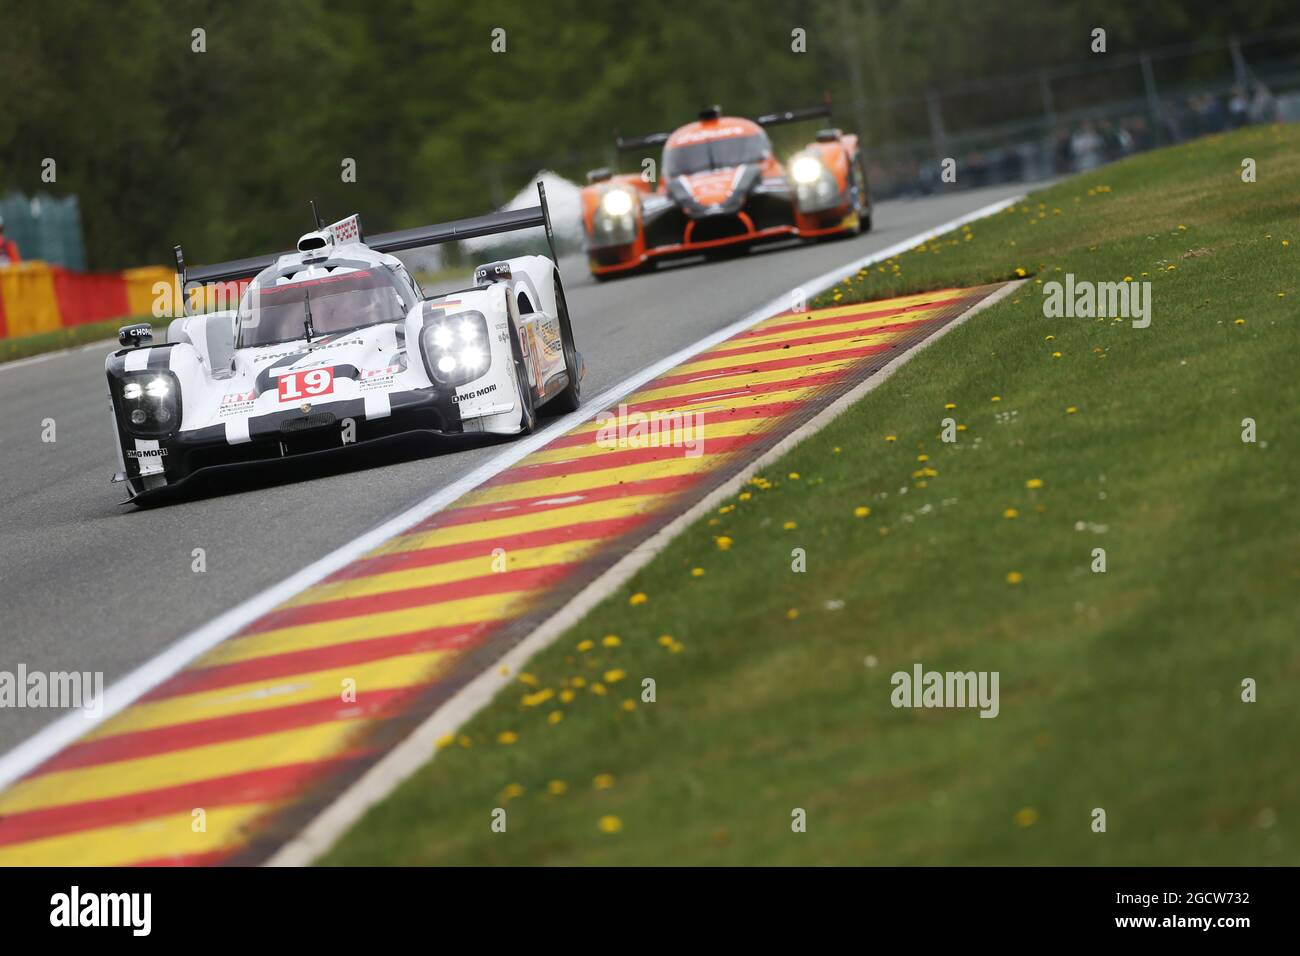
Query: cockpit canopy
(716, 153)
(274, 311)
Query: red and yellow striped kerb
(256, 733)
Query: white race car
(335, 344)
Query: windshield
(715, 154)
(277, 313)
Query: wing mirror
(134, 336)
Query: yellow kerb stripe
(155, 838)
(302, 637)
(102, 781)
(386, 674)
(523, 559)
(495, 530)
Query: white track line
(51, 739)
(47, 356)
(418, 748)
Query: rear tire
(864, 195)
(569, 399)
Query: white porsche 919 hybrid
(335, 344)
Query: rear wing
(508, 220)
(794, 116)
(631, 143)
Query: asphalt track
(89, 585)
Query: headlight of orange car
(815, 186)
(614, 222)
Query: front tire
(527, 402)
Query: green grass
(1118, 690)
(29, 345)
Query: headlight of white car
(150, 403)
(456, 349)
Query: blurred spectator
(8, 248)
(1263, 105)
(1086, 146)
(1238, 108)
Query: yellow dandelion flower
(996, 398)
(611, 640)
(1239, 322)
(1056, 355)
(1049, 338)
(861, 511)
(1070, 410)
(949, 404)
(1034, 483)
(610, 824)
(579, 683)
(1026, 817)
(507, 737)
(512, 790)
(676, 647)
(554, 717)
(666, 640)
(598, 689)
(697, 572)
(793, 476)
(528, 679)
(445, 741)
(745, 495)
(891, 438)
(1014, 577)
(922, 457)
(556, 788)
(566, 696)
(835, 450)
(464, 741)
(629, 705)
(792, 613)
(723, 542)
(584, 646)
(541, 697)
(639, 598)
(603, 781)
(789, 526)
(615, 675)
(1021, 272)
(1011, 513)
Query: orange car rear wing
(637, 142)
(794, 116)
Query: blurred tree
(222, 149)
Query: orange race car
(720, 190)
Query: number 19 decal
(309, 384)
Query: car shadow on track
(242, 478)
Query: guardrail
(38, 297)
